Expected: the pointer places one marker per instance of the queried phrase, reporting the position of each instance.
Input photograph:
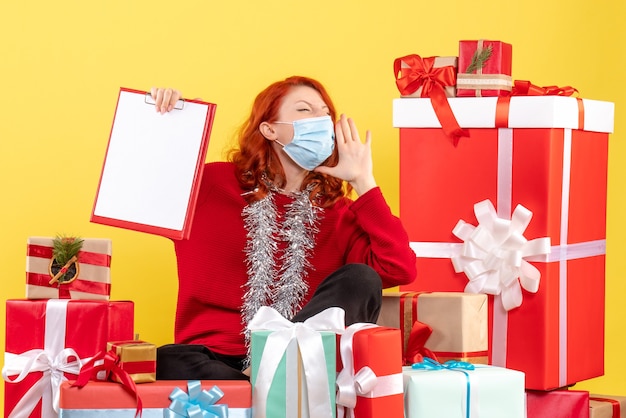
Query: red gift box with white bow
(369, 383)
(47, 341)
(518, 211)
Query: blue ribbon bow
(430, 364)
(454, 365)
(197, 404)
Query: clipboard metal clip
(180, 104)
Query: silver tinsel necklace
(283, 286)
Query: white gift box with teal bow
(462, 390)
(294, 364)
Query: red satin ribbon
(403, 296)
(613, 402)
(135, 367)
(421, 73)
(415, 351)
(526, 88)
(87, 257)
(110, 365)
(78, 285)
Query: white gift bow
(364, 382)
(52, 361)
(309, 341)
(493, 254)
(53, 367)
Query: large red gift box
(493, 78)
(93, 271)
(45, 339)
(369, 384)
(112, 400)
(541, 160)
(557, 404)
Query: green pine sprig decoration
(479, 59)
(64, 248)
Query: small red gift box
(91, 276)
(137, 358)
(484, 68)
(557, 404)
(114, 401)
(541, 160)
(369, 384)
(607, 406)
(47, 341)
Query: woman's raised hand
(165, 98)
(355, 157)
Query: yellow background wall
(62, 64)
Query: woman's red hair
(255, 158)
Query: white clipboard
(153, 165)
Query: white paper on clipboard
(153, 165)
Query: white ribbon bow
(311, 347)
(53, 367)
(493, 254)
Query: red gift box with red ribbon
(91, 276)
(484, 68)
(369, 383)
(526, 151)
(48, 341)
(557, 404)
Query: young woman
(274, 226)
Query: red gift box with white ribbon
(533, 169)
(47, 341)
(369, 383)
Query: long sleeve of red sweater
(212, 262)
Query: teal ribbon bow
(198, 403)
(430, 364)
(454, 365)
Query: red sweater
(212, 262)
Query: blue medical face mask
(313, 141)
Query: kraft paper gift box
(93, 271)
(369, 383)
(543, 163)
(607, 406)
(294, 364)
(557, 404)
(493, 78)
(458, 320)
(404, 68)
(137, 358)
(112, 400)
(45, 338)
(485, 392)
